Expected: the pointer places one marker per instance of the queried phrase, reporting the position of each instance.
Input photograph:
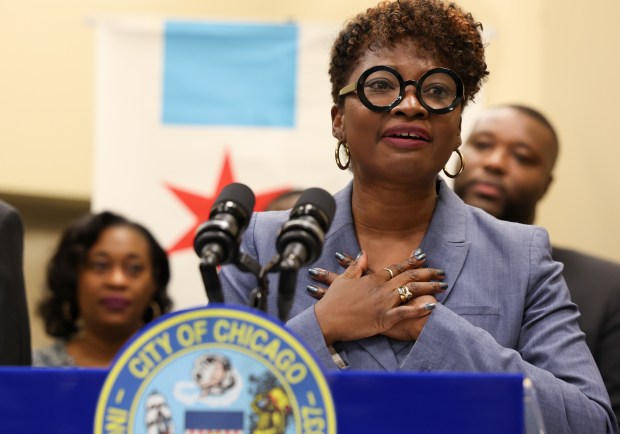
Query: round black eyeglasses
(381, 88)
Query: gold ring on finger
(408, 293)
(389, 271)
(402, 293)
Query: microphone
(300, 240)
(217, 240)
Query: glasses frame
(357, 87)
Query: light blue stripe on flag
(230, 74)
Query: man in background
(509, 159)
(14, 326)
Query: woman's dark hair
(59, 308)
(441, 29)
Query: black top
(14, 325)
(594, 285)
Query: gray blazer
(507, 308)
(14, 325)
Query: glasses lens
(438, 90)
(381, 88)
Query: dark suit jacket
(507, 308)
(14, 325)
(594, 285)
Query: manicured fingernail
(429, 306)
(419, 254)
(440, 272)
(314, 272)
(339, 256)
(443, 285)
(312, 289)
(359, 255)
(417, 251)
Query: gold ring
(389, 271)
(402, 293)
(408, 293)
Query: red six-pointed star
(200, 205)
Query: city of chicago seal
(215, 370)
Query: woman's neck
(392, 209)
(90, 349)
(391, 222)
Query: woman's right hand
(355, 306)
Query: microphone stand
(258, 296)
(245, 263)
(286, 291)
(211, 281)
(286, 286)
(287, 267)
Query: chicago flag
(184, 107)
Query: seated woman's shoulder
(55, 355)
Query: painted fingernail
(429, 306)
(419, 254)
(359, 255)
(314, 272)
(417, 251)
(443, 285)
(440, 272)
(339, 256)
(312, 289)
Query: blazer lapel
(342, 236)
(380, 349)
(444, 243)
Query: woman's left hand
(422, 299)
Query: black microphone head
(318, 203)
(218, 238)
(238, 193)
(301, 238)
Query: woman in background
(107, 278)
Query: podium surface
(64, 400)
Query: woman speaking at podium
(477, 294)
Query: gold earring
(346, 152)
(450, 175)
(67, 313)
(156, 310)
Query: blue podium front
(63, 401)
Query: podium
(63, 401)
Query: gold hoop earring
(451, 175)
(155, 309)
(346, 152)
(67, 315)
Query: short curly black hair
(442, 29)
(59, 307)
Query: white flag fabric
(185, 107)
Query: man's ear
(337, 123)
